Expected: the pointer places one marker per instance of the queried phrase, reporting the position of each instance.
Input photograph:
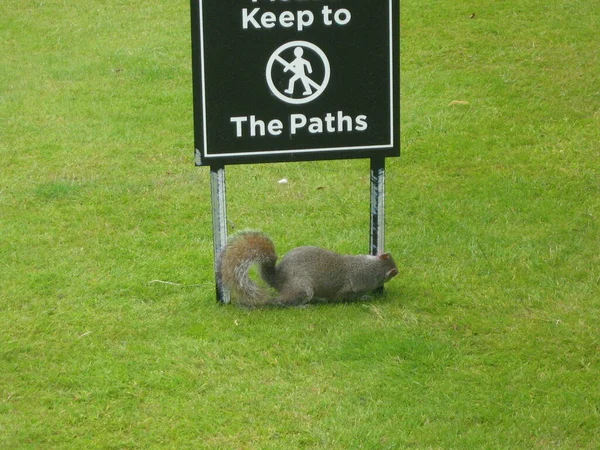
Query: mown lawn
(487, 339)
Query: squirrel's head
(389, 264)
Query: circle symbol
(301, 87)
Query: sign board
(291, 80)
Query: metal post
(219, 217)
(377, 237)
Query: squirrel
(303, 274)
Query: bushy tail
(233, 264)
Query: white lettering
(316, 125)
(330, 121)
(256, 19)
(344, 122)
(275, 127)
(338, 122)
(256, 127)
(268, 19)
(286, 19)
(326, 11)
(238, 125)
(297, 121)
(247, 19)
(340, 17)
(361, 123)
(305, 18)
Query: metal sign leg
(377, 237)
(219, 217)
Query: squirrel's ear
(384, 256)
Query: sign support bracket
(219, 219)
(377, 235)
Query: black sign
(289, 80)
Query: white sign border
(207, 155)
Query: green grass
(487, 339)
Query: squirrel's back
(329, 275)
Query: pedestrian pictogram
(299, 66)
(298, 72)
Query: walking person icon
(308, 67)
(299, 66)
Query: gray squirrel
(303, 274)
